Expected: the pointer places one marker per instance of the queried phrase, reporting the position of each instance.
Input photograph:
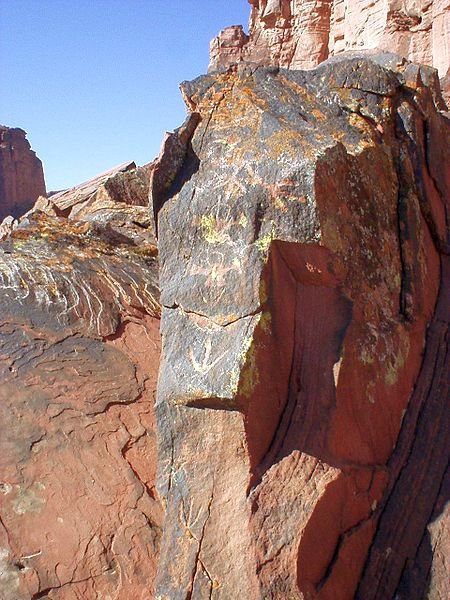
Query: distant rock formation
(299, 34)
(125, 184)
(21, 173)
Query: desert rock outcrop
(21, 173)
(124, 184)
(284, 264)
(79, 355)
(303, 387)
(299, 34)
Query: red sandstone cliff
(21, 173)
(299, 34)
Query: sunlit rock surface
(79, 353)
(299, 34)
(303, 387)
(300, 438)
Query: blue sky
(95, 82)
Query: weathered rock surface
(21, 173)
(303, 388)
(125, 184)
(299, 34)
(302, 407)
(79, 354)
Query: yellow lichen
(263, 293)
(210, 231)
(263, 243)
(249, 374)
(243, 221)
(265, 321)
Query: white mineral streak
(73, 296)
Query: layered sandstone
(299, 34)
(79, 355)
(299, 442)
(21, 173)
(302, 397)
(124, 184)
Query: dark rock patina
(301, 261)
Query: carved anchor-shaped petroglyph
(205, 366)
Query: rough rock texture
(21, 173)
(166, 168)
(79, 354)
(299, 34)
(125, 184)
(303, 389)
(302, 406)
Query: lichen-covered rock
(304, 375)
(79, 353)
(21, 173)
(299, 34)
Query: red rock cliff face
(79, 355)
(21, 173)
(299, 34)
(303, 389)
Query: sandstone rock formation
(300, 440)
(125, 184)
(79, 354)
(21, 173)
(300, 34)
(303, 389)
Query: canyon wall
(21, 173)
(299, 34)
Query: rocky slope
(79, 355)
(298, 34)
(302, 396)
(21, 173)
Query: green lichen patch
(210, 230)
(263, 243)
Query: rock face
(300, 440)
(21, 173)
(303, 428)
(126, 184)
(299, 34)
(79, 354)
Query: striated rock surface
(125, 184)
(303, 389)
(21, 173)
(419, 30)
(79, 354)
(299, 34)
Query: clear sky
(95, 82)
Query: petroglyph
(205, 365)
